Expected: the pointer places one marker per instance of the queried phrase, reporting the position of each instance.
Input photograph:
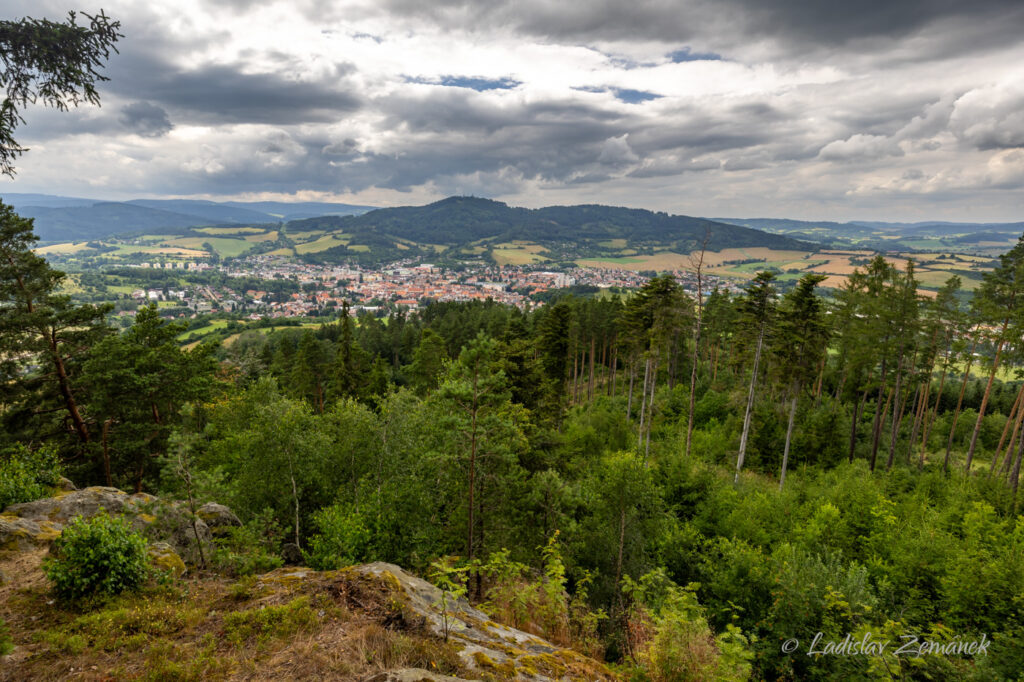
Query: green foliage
(671, 637)
(451, 579)
(269, 622)
(341, 541)
(97, 556)
(251, 549)
(53, 62)
(27, 475)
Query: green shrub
(249, 549)
(97, 556)
(342, 541)
(27, 475)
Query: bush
(250, 549)
(343, 539)
(27, 475)
(97, 556)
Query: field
(519, 253)
(321, 244)
(836, 265)
(62, 249)
(225, 248)
(225, 231)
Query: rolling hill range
(473, 230)
(981, 238)
(60, 218)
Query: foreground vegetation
(677, 486)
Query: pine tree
(801, 341)
(43, 336)
(757, 314)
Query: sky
(877, 110)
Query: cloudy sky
(907, 110)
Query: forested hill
(461, 220)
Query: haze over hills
(886, 236)
(59, 218)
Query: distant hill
(924, 236)
(462, 220)
(60, 218)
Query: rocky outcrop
(218, 518)
(30, 525)
(412, 675)
(488, 649)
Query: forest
(676, 483)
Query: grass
(203, 331)
(225, 247)
(322, 244)
(207, 628)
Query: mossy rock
(162, 557)
(22, 535)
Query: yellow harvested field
(264, 237)
(185, 253)
(223, 231)
(306, 235)
(61, 249)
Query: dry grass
(324, 626)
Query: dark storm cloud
(145, 119)
(735, 21)
(226, 94)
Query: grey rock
(21, 535)
(411, 675)
(218, 517)
(65, 506)
(483, 643)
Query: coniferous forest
(665, 484)
(701, 478)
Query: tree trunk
(878, 414)
(857, 409)
(632, 379)
(696, 345)
(64, 384)
(879, 425)
(984, 398)
(897, 414)
(650, 410)
(106, 454)
(643, 403)
(789, 438)
(615, 365)
(750, 407)
(956, 412)
(1010, 418)
(821, 379)
(928, 421)
(1015, 474)
(922, 401)
(590, 389)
